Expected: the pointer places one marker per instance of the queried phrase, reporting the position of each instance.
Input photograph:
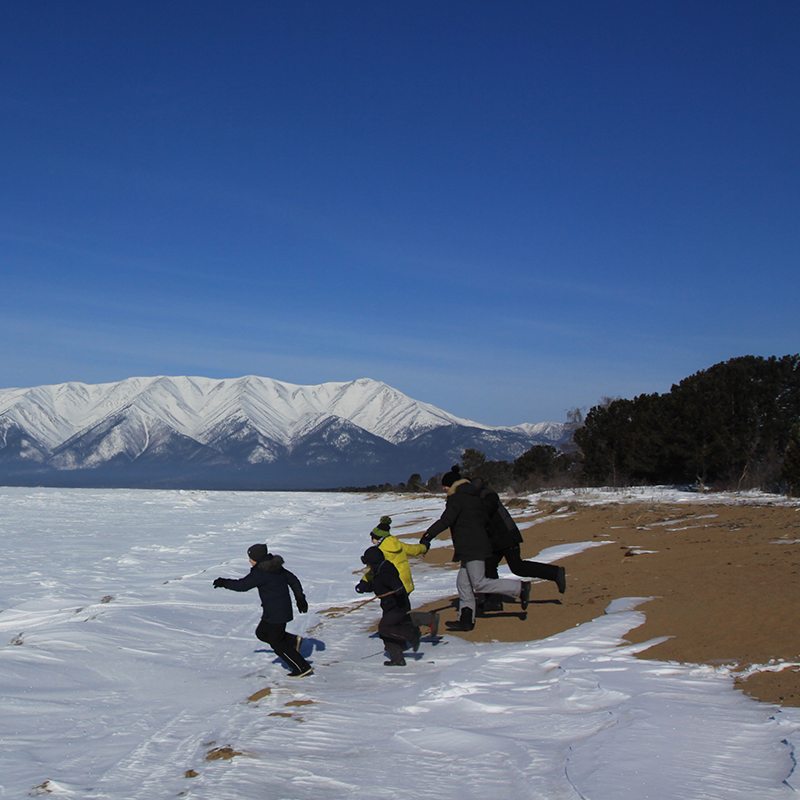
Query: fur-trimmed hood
(272, 563)
(452, 489)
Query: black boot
(493, 602)
(464, 622)
(396, 660)
(525, 594)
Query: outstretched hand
(219, 583)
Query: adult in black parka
(273, 581)
(465, 515)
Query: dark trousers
(274, 634)
(396, 630)
(525, 569)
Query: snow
(125, 675)
(195, 406)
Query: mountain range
(242, 433)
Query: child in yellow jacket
(396, 551)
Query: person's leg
(480, 583)
(466, 602)
(535, 569)
(466, 594)
(490, 602)
(396, 631)
(493, 562)
(283, 645)
(396, 625)
(528, 569)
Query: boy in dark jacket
(395, 628)
(273, 582)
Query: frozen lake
(124, 673)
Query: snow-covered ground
(125, 675)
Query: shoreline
(723, 582)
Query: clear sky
(507, 209)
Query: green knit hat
(383, 529)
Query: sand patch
(725, 583)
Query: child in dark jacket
(395, 628)
(273, 581)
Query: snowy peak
(194, 405)
(246, 423)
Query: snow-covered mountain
(248, 432)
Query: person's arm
(237, 584)
(414, 549)
(297, 589)
(444, 522)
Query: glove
(302, 605)
(427, 547)
(362, 587)
(426, 540)
(219, 583)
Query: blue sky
(506, 209)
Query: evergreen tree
(471, 461)
(730, 423)
(791, 462)
(540, 461)
(414, 483)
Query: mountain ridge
(248, 432)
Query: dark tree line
(541, 466)
(728, 425)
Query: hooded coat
(465, 515)
(503, 531)
(397, 552)
(385, 581)
(273, 583)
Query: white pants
(472, 580)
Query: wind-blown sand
(724, 582)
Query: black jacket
(465, 515)
(386, 581)
(503, 531)
(273, 582)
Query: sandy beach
(722, 580)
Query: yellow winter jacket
(397, 552)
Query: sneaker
(415, 637)
(561, 580)
(525, 594)
(397, 661)
(301, 674)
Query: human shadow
(307, 648)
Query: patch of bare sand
(725, 583)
